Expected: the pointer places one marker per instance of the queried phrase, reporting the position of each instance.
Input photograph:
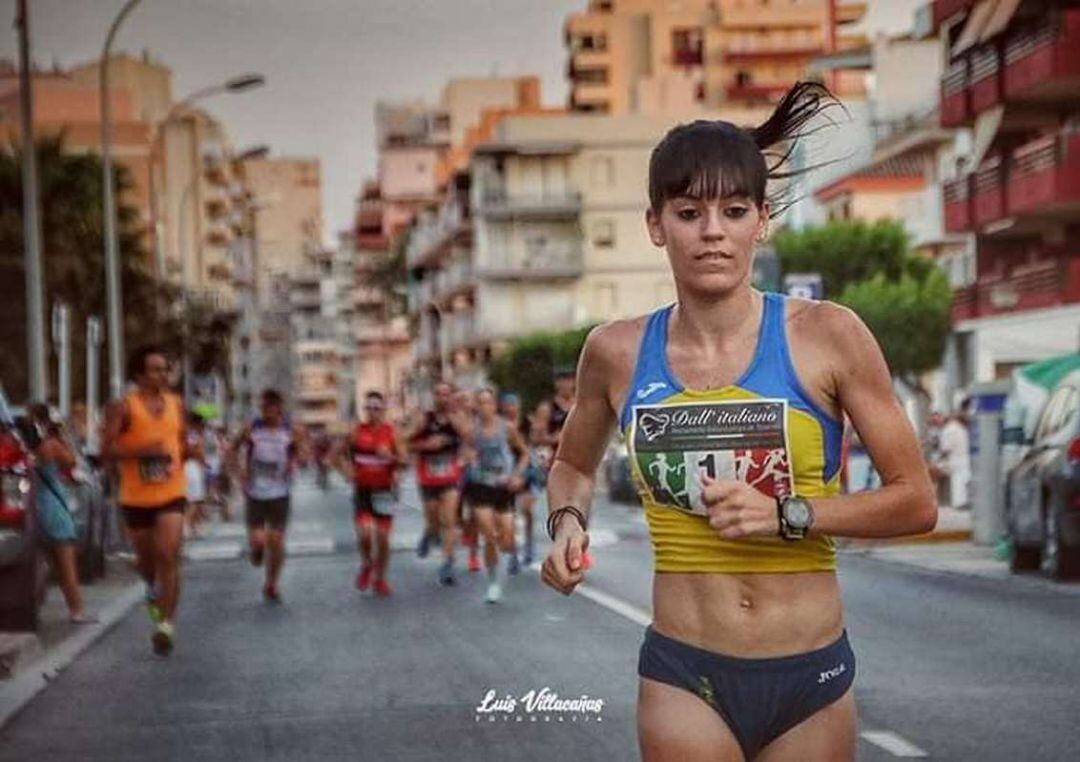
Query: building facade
(1013, 78)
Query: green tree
(849, 252)
(527, 367)
(74, 271)
(909, 317)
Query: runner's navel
(746, 603)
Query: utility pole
(93, 365)
(62, 342)
(35, 291)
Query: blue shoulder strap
(651, 381)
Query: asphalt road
(958, 668)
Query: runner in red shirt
(377, 454)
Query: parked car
(620, 484)
(22, 564)
(1042, 495)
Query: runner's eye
(687, 214)
(736, 212)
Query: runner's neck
(722, 322)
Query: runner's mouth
(713, 256)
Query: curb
(17, 692)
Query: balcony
(1033, 286)
(553, 262)
(305, 300)
(367, 296)
(755, 92)
(774, 51)
(1044, 177)
(456, 278)
(688, 56)
(500, 205)
(955, 107)
(957, 195)
(985, 78)
(1042, 63)
(434, 232)
(988, 192)
(317, 393)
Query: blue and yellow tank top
(764, 429)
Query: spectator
(54, 461)
(955, 458)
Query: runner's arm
(517, 443)
(903, 505)
(588, 427)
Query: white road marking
(212, 551)
(893, 743)
(619, 606)
(309, 546)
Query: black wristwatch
(796, 516)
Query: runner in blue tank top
(731, 402)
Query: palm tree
(73, 264)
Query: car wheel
(22, 592)
(1059, 562)
(1025, 558)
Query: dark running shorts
(758, 699)
(480, 495)
(363, 504)
(272, 513)
(436, 493)
(138, 517)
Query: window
(604, 234)
(602, 172)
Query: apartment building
(1013, 78)
(654, 56)
(321, 300)
(545, 231)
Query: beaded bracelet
(554, 516)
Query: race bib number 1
(676, 446)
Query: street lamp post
(112, 244)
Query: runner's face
(442, 395)
(564, 386)
(155, 374)
(487, 406)
(375, 410)
(271, 412)
(710, 242)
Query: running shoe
(494, 593)
(271, 594)
(382, 589)
(363, 578)
(256, 556)
(446, 574)
(162, 639)
(513, 566)
(425, 545)
(474, 562)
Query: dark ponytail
(717, 159)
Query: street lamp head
(245, 82)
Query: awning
(986, 129)
(1003, 13)
(974, 26)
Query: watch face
(797, 513)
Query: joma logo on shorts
(830, 674)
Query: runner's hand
(738, 510)
(563, 568)
(515, 483)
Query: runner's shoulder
(828, 326)
(614, 344)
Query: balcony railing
(1035, 286)
(958, 204)
(988, 191)
(498, 204)
(688, 57)
(985, 78)
(946, 9)
(1044, 175)
(546, 263)
(955, 97)
(1044, 60)
(755, 92)
(772, 50)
